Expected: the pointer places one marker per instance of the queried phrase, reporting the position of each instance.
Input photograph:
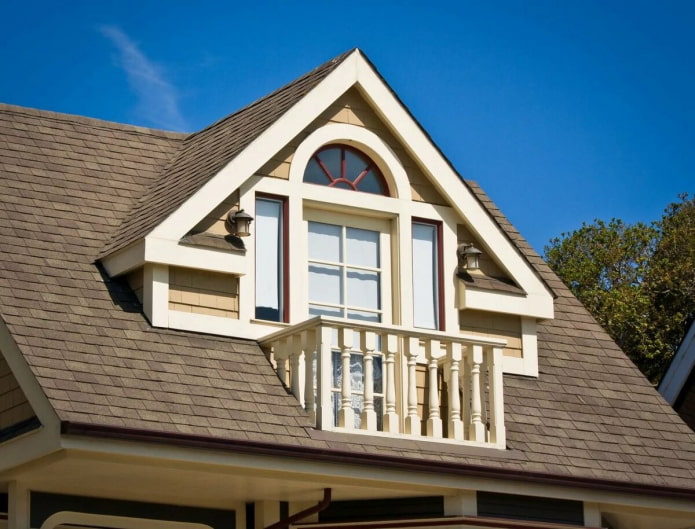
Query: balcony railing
(401, 381)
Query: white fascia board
(165, 251)
(125, 260)
(186, 321)
(681, 366)
(245, 164)
(448, 182)
(534, 305)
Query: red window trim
(342, 178)
(441, 319)
(284, 201)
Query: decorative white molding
(155, 294)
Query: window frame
(284, 261)
(439, 269)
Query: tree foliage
(637, 280)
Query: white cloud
(158, 100)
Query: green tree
(638, 280)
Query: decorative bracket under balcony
(411, 382)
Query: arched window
(347, 168)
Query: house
(167, 364)
(678, 384)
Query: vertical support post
(412, 420)
(477, 428)
(18, 506)
(467, 364)
(367, 346)
(496, 397)
(453, 353)
(434, 420)
(391, 420)
(309, 346)
(346, 415)
(324, 349)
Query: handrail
(381, 328)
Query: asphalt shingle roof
(72, 186)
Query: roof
(69, 182)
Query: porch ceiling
(139, 479)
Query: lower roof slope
(67, 182)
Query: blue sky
(564, 111)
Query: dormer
(351, 264)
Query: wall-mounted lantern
(468, 257)
(238, 223)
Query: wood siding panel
(494, 325)
(203, 292)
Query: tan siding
(202, 292)
(352, 109)
(14, 407)
(494, 325)
(213, 223)
(487, 265)
(135, 280)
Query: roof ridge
(67, 118)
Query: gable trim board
(240, 446)
(682, 365)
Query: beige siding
(14, 407)
(487, 265)
(135, 280)
(352, 109)
(213, 223)
(494, 325)
(202, 292)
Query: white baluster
(434, 421)
(497, 430)
(346, 416)
(309, 346)
(297, 368)
(453, 352)
(412, 420)
(367, 345)
(477, 428)
(391, 419)
(324, 348)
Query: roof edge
(394, 462)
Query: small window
(271, 283)
(427, 273)
(346, 168)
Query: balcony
(402, 382)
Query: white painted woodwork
(470, 366)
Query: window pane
(362, 247)
(331, 160)
(318, 310)
(362, 315)
(268, 259)
(425, 280)
(354, 165)
(325, 284)
(315, 175)
(325, 242)
(363, 289)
